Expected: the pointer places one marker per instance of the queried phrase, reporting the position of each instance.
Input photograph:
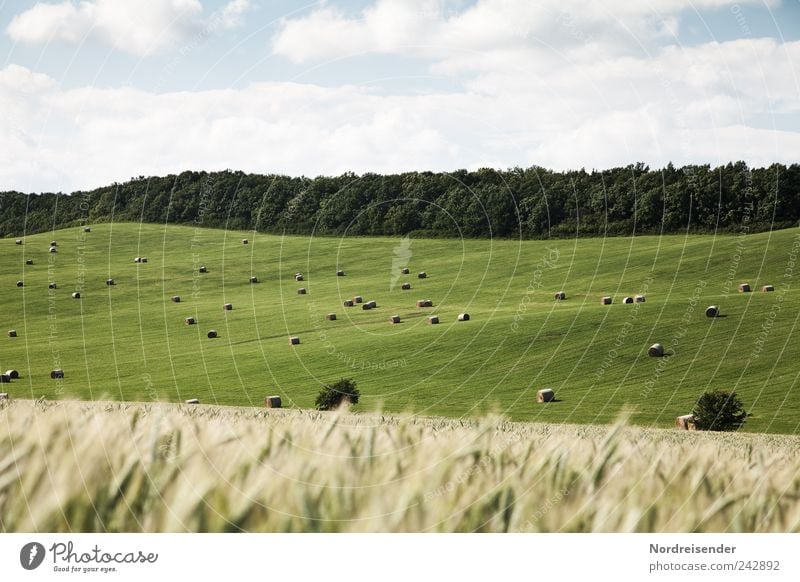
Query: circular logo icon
(31, 555)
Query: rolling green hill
(129, 341)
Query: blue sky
(101, 90)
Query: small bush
(719, 410)
(333, 395)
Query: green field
(130, 342)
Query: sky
(98, 91)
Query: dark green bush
(333, 395)
(719, 410)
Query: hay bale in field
(340, 273)
(294, 340)
(20, 283)
(395, 319)
(5, 379)
(53, 250)
(744, 287)
(192, 401)
(272, 401)
(12, 333)
(144, 259)
(57, 373)
(627, 300)
(330, 317)
(53, 243)
(212, 333)
(767, 288)
(298, 277)
(405, 286)
(76, 295)
(245, 241)
(52, 286)
(190, 321)
(28, 261)
(301, 291)
(433, 319)
(110, 282)
(545, 395)
(254, 279)
(655, 351)
(227, 307)
(712, 311)
(87, 229)
(3, 395)
(372, 304)
(685, 422)
(358, 299)
(175, 298)
(639, 299)
(606, 300)
(560, 296)
(202, 269)
(463, 317)
(424, 303)
(422, 275)
(348, 302)
(366, 306)
(137, 259)
(13, 374)
(405, 271)
(18, 241)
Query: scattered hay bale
(202, 269)
(424, 303)
(639, 299)
(18, 241)
(144, 259)
(52, 286)
(110, 282)
(190, 321)
(331, 317)
(272, 401)
(560, 296)
(655, 351)
(294, 340)
(53, 243)
(3, 395)
(301, 291)
(13, 374)
(5, 379)
(53, 250)
(212, 333)
(298, 277)
(463, 317)
(712, 311)
(433, 319)
(366, 306)
(358, 299)
(605, 300)
(192, 401)
(685, 422)
(137, 259)
(627, 300)
(395, 319)
(175, 298)
(76, 295)
(57, 373)
(348, 302)
(422, 275)
(405, 271)
(405, 286)
(744, 288)
(254, 279)
(245, 241)
(28, 261)
(227, 307)
(87, 229)
(340, 273)
(767, 288)
(545, 395)
(20, 283)
(12, 333)
(372, 304)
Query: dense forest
(520, 203)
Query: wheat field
(95, 467)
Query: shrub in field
(333, 395)
(719, 410)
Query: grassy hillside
(130, 467)
(129, 342)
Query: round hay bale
(639, 299)
(433, 319)
(655, 351)
(372, 304)
(18, 241)
(767, 288)
(20, 284)
(144, 259)
(712, 311)
(52, 286)
(405, 286)
(422, 275)
(192, 401)
(358, 299)
(227, 307)
(560, 296)
(5, 379)
(685, 422)
(212, 333)
(463, 317)
(28, 261)
(744, 288)
(76, 295)
(424, 303)
(245, 241)
(545, 395)
(627, 300)
(340, 273)
(405, 271)
(110, 282)
(294, 340)
(298, 277)
(348, 302)
(395, 319)
(366, 306)
(175, 298)
(57, 373)
(272, 401)
(53, 250)
(12, 333)
(53, 243)
(202, 269)
(254, 279)
(87, 229)
(606, 300)
(331, 317)
(13, 374)
(190, 321)
(301, 291)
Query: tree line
(517, 203)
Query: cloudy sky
(96, 91)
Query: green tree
(332, 396)
(719, 410)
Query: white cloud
(139, 27)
